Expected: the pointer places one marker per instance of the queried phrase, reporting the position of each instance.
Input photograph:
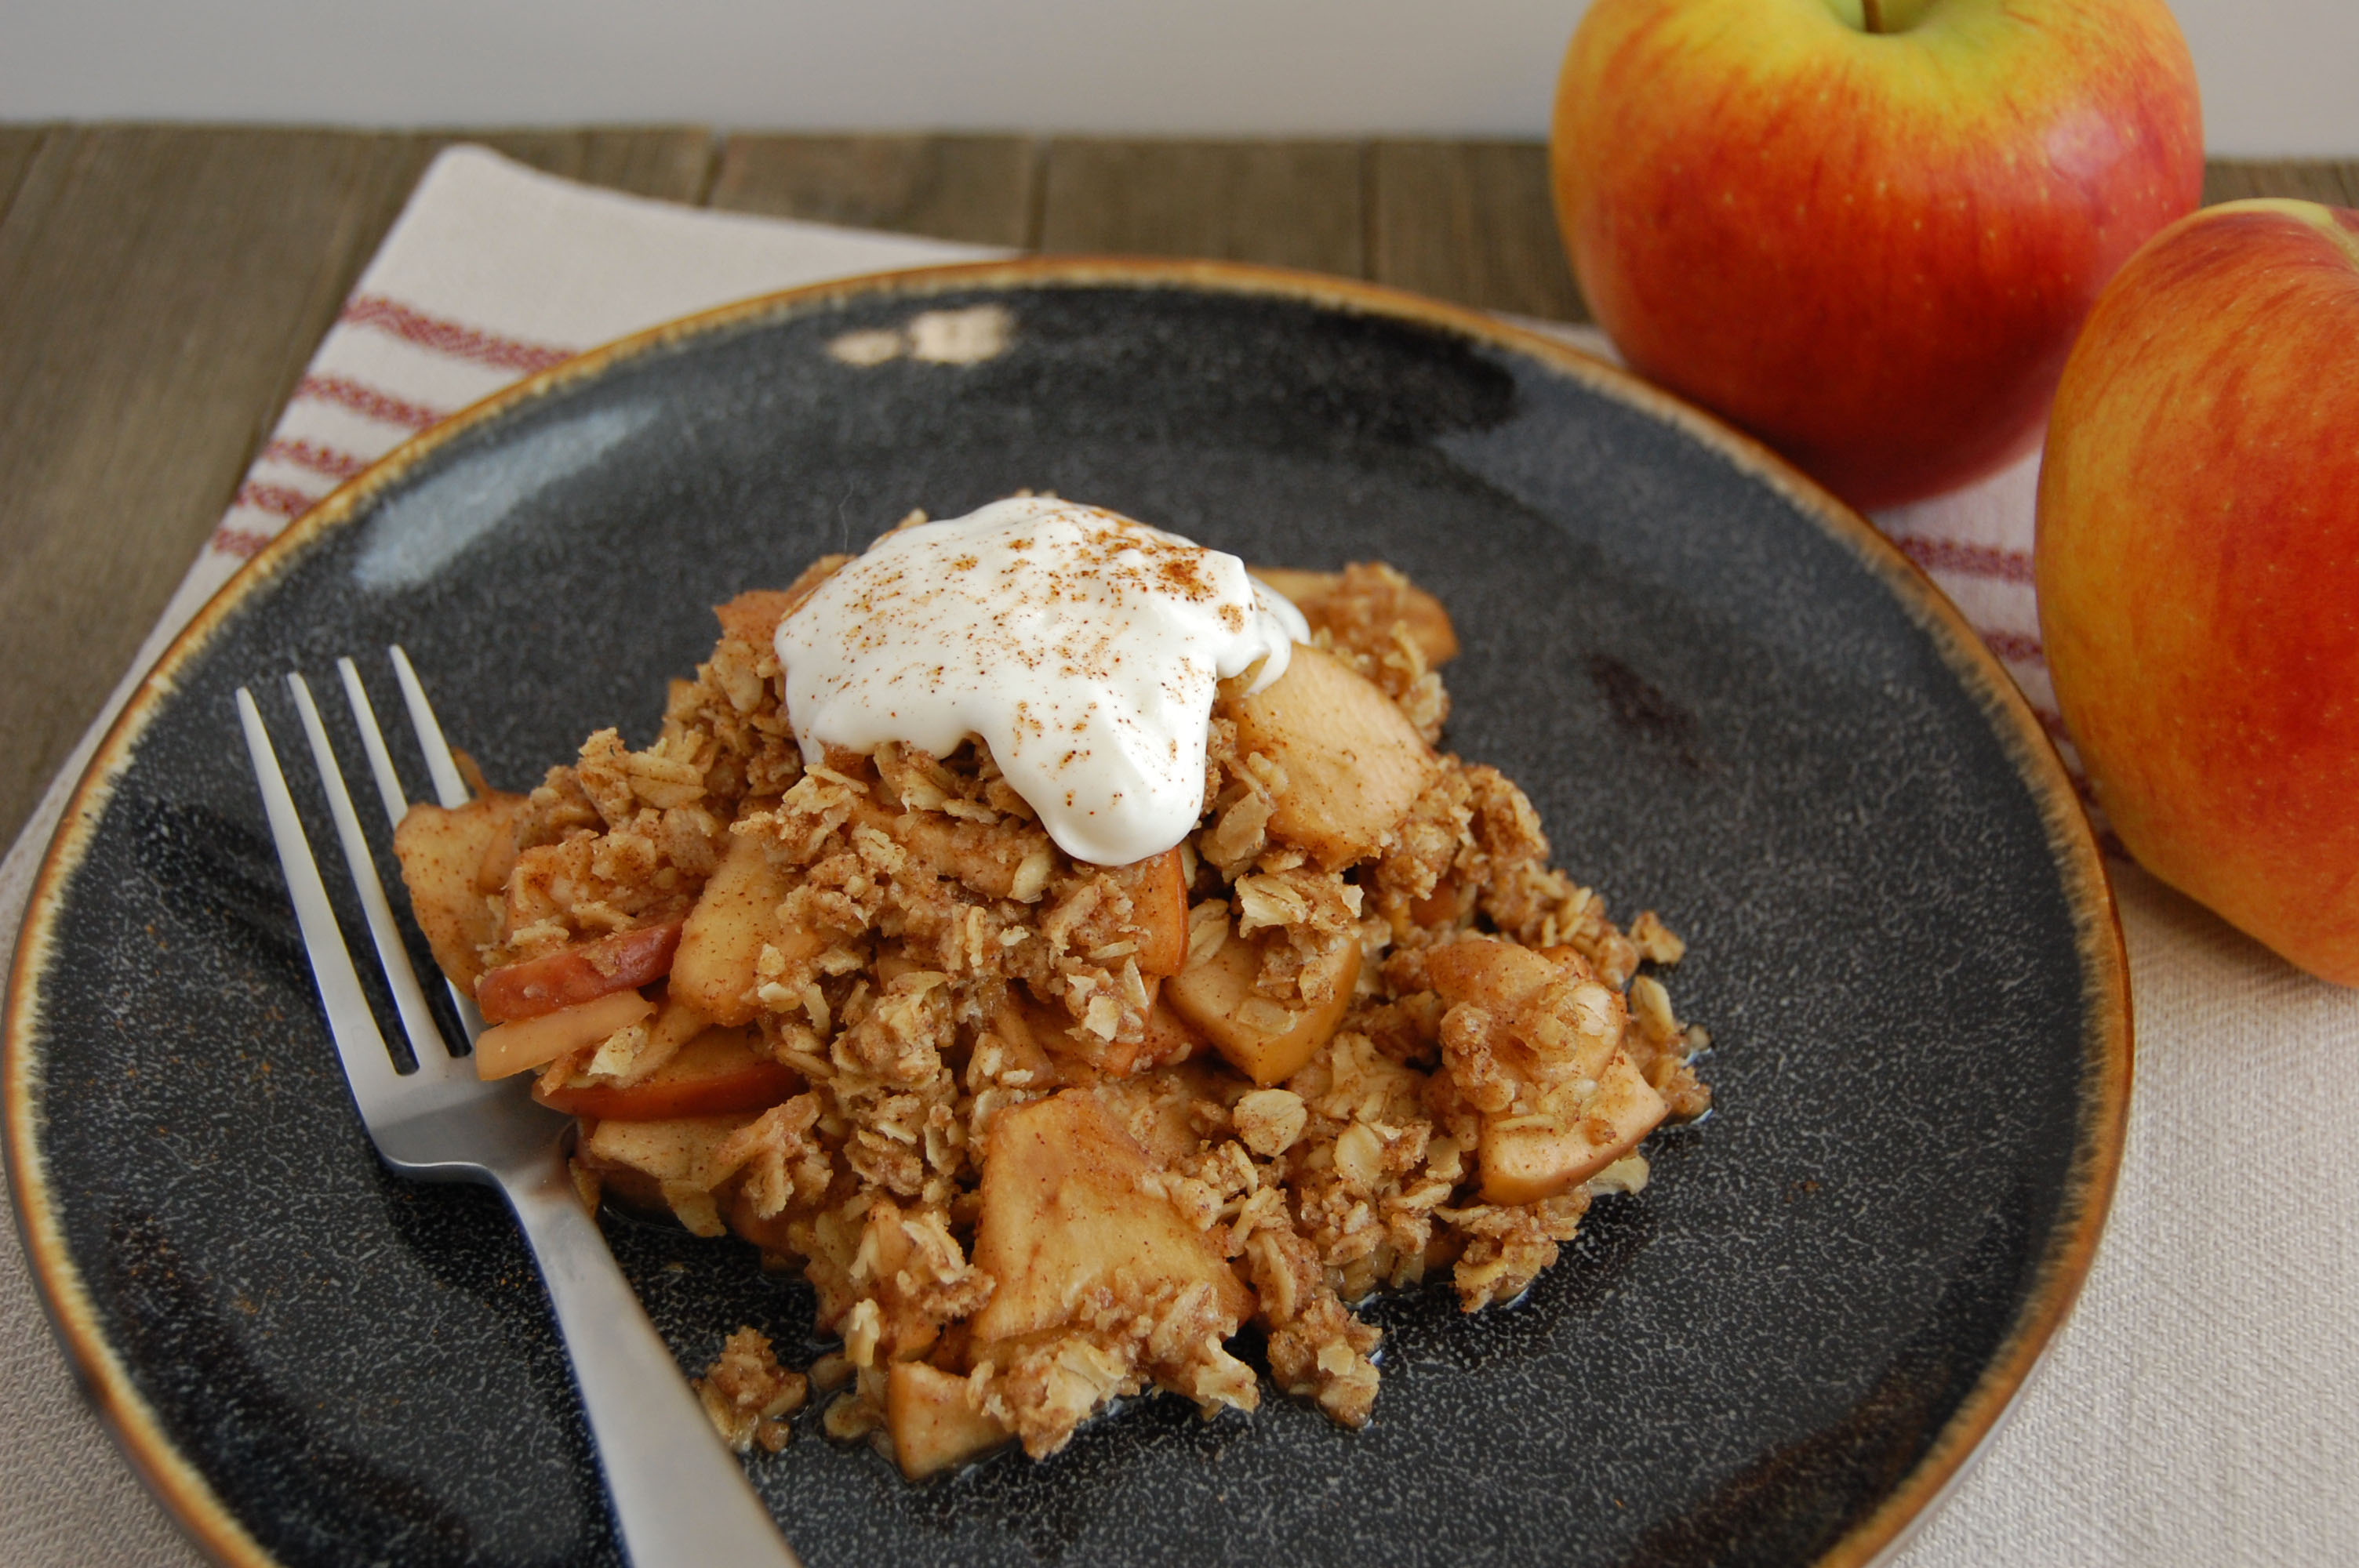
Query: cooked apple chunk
(674, 1149)
(753, 617)
(508, 1048)
(1544, 1014)
(1158, 911)
(1263, 1038)
(932, 1424)
(1534, 1042)
(716, 1073)
(580, 971)
(454, 861)
(671, 1164)
(1529, 1158)
(1067, 1219)
(1353, 766)
(715, 969)
(1323, 599)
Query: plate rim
(2106, 1036)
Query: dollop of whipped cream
(1083, 647)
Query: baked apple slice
(1158, 911)
(1262, 1038)
(1066, 1218)
(1527, 1159)
(1555, 1031)
(933, 1426)
(735, 917)
(718, 1073)
(453, 862)
(508, 1048)
(1421, 615)
(1353, 764)
(580, 971)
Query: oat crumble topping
(1040, 1133)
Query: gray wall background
(2280, 78)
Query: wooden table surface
(162, 287)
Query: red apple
(1870, 246)
(2197, 567)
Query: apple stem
(1872, 13)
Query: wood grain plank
(160, 290)
(1283, 203)
(17, 146)
(2334, 182)
(1470, 221)
(674, 163)
(983, 191)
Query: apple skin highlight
(2198, 567)
(1870, 250)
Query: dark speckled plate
(1731, 701)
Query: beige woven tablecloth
(2200, 1408)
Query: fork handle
(680, 1495)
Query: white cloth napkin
(2200, 1408)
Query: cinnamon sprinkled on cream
(1082, 647)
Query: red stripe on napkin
(245, 543)
(453, 338)
(1968, 560)
(285, 499)
(318, 458)
(2020, 646)
(366, 401)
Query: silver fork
(680, 1495)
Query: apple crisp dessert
(1043, 1133)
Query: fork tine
(449, 787)
(368, 1066)
(388, 783)
(426, 1041)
